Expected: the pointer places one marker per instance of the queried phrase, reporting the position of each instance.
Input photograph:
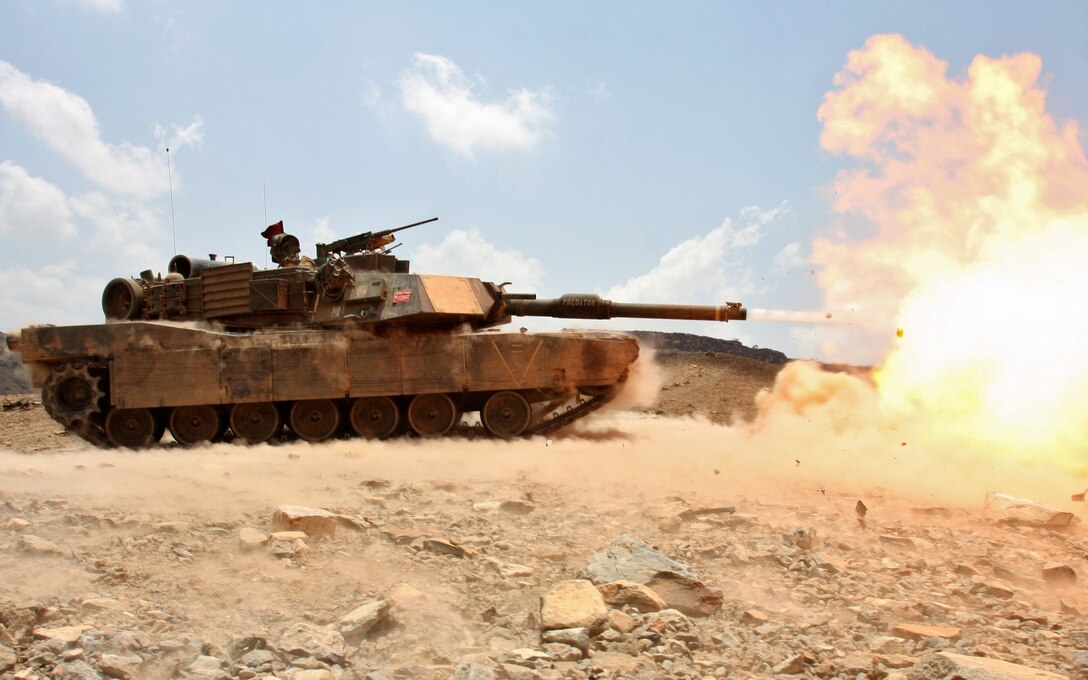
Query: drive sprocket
(75, 393)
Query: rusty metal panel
(173, 378)
(509, 361)
(310, 371)
(246, 374)
(451, 295)
(432, 363)
(374, 368)
(226, 290)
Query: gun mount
(352, 342)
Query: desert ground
(698, 529)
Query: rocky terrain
(648, 544)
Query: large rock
(314, 521)
(323, 644)
(951, 666)
(632, 559)
(1025, 512)
(573, 604)
(687, 595)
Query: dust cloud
(816, 432)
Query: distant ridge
(13, 378)
(689, 342)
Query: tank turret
(350, 341)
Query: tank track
(91, 430)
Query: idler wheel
(314, 419)
(255, 423)
(506, 414)
(133, 428)
(193, 425)
(374, 417)
(73, 393)
(432, 415)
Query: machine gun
(364, 242)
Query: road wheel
(506, 414)
(432, 415)
(255, 423)
(132, 428)
(374, 417)
(314, 419)
(192, 425)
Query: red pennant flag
(272, 230)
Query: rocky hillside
(689, 342)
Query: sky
(646, 152)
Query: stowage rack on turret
(347, 343)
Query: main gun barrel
(593, 307)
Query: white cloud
(176, 137)
(31, 207)
(131, 232)
(466, 253)
(101, 6)
(789, 258)
(67, 125)
(437, 91)
(708, 268)
(57, 293)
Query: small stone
(8, 658)
(205, 665)
(642, 598)
(792, 665)
(621, 621)
(472, 671)
(16, 524)
(356, 625)
(312, 521)
(304, 640)
(517, 507)
(68, 634)
(314, 674)
(251, 539)
(560, 652)
(444, 547)
(997, 590)
(573, 604)
(892, 539)
(951, 665)
(37, 545)
(1060, 575)
(287, 543)
(915, 631)
(754, 617)
(74, 670)
(575, 637)
(256, 658)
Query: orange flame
(963, 221)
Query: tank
(347, 343)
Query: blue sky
(566, 147)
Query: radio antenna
(170, 174)
(264, 190)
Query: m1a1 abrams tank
(347, 342)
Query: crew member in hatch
(284, 248)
